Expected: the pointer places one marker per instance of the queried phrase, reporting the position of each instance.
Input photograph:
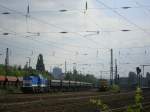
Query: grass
(9, 90)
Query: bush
(9, 90)
(100, 105)
(138, 102)
(115, 88)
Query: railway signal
(138, 70)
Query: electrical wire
(49, 24)
(123, 17)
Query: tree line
(19, 71)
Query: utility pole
(74, 66)
(7, 60)
(116, 72)
(65, 67)
(101, 74)
(50, 69)
(29, 62)
(0, 54)
(111, 67)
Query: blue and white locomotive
(37, 83)
(34, 83)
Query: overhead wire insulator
(63, 10)
(6, 13)
(63, 32)
(125, 30)
(126, 7)
(5, 33)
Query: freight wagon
(10, 81)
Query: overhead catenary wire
(58, 57)
(27, 49)
(123, 17)
(146, 8)
(38, 41)
(68, 10)
(34, 39)
(54, 26)
(107, 8)
(36, 51)
(50, 24)
(128, 47)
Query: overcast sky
(90, 33)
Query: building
(132, 80)
(123, 82)
(57, 73)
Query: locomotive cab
(34, 83)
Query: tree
(2, 70)
(75, 72)
(25, 67)
(76, 76)
(19, 67)
(68, 76)
(40, 64)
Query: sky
(64, 30)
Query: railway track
(68, 102)
(146, 105)
(37, 98)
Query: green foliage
(80, 77)
(138, 91)
(100, 105)
(129, 109)
(40, 64)
(46, 74)
(17, 71)
(115, 88)
(135, 108)
(138, 98)
(12, 71)
(138, 102)
(2, 70)
(35, 72)
(9, 89)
